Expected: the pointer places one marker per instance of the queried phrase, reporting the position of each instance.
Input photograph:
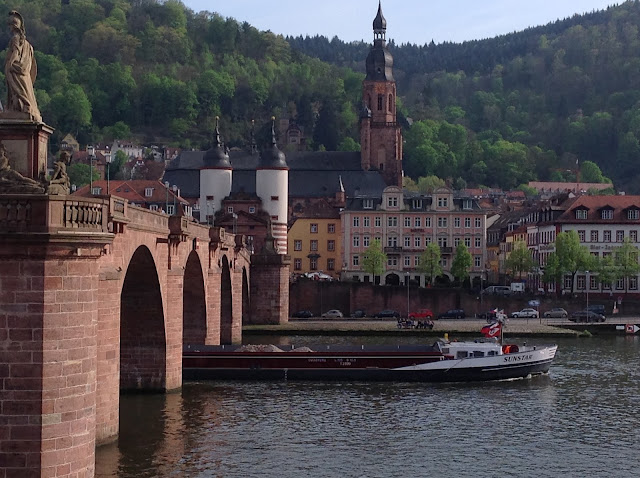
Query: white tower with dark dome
(215, 178)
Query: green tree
(462, 262)
(374, 259)
(572, 256)
(590, 173)
(428, 184)
(607, 270)
(430, 262)
(553, 272)
(626, 260)
(520, 261)
(80, 174)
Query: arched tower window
(390, 103)
(380, 102)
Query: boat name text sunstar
(517, 358)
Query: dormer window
(148, 192)
(606, 214)
(367, 203)
(392, 201)
(417, 204)
(443, 202)
(97, 191)
(581, 214)
(467, 204)
(633, 214)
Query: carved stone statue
(20, 70)
(12, 182)
(59, 184)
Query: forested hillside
(527, 105)
(109, 68)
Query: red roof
(134, 191)
(595, 204)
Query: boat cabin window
(461, 354)
(478, 353)
(491, 353)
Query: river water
(582, 420)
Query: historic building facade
(405, 223)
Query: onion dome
(272, 157)
(379, 61)
(379, 23)
(217, 157)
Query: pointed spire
(273, 158)
(217, 157)
(341, 185)
(379, 25)
(217, 142)
(274, 142)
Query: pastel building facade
(405, 223)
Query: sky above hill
(408, 21)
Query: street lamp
(91, 174)
(166, 203)
(407, 295)
(175, 193)
(587, 287)
(108, 164)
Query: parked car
(526, 313)
(333, 314)
(556, 313)
(597, 308)
(359, 314)
(452, 314)
(303, 314)
(421, 314)
(387, 313)
(497, 290)
(586, 316)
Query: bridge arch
(226, 303)
(143, 345)
(194, 308)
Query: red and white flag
(492, 330)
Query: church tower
(380, 134)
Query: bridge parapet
(51, 214)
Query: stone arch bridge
(98, 297)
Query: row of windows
(252, 209)
(392, 241)
(393, 261)
(331, 228)
(313, 264)
(392, 221)
(594, 283)
(632, 214)
(313, 245)
(594, 236)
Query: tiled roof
(558, 186)
(133, 191)
(595, 204)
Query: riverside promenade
(455, 328)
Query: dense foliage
(164, 72)
(523, 106)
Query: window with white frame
(442, 242)
(582, 236)
(467, 204)
(392, 241)
(252, 209)
(620, 284)
(377, 221)
(407, 241)
(331, 228)
(633, 236)
(331, 264)
(356, 261)
(417, 204)
(593, 282)
(313, 263)
(442, 222)
(467, 222)
(633, 283)
(477, 261)
(297, 264)
(392, 221)
(331, 245)
(366, 241)
(581, 214)
(467, 242)
(443, 202)
(356, 241)
(567, 282)
(313, 228)
(417, 242)
(478, 242)
(606, 236)
(170, 209)
(392, 261)
(366, 221)
(407, 222)
(148, 192)
(416, 261)
(456, 222)
(314, 245)
(581, 282)
(427, 240)
(407, 261)
(606, 214)
(417, 222)
(595, 236)
(619, 236)
(427, 222)
(297, 245)
(633, 214)
(356, 221)
(392, 201)
(229, 209)
(478, 222)
(456, 241)
(367, 203)
(96, 191)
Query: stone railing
(51, 214)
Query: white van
(497, 290)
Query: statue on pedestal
(12, 182)
(60, 184)
(20, 70)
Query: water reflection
(579, 421)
